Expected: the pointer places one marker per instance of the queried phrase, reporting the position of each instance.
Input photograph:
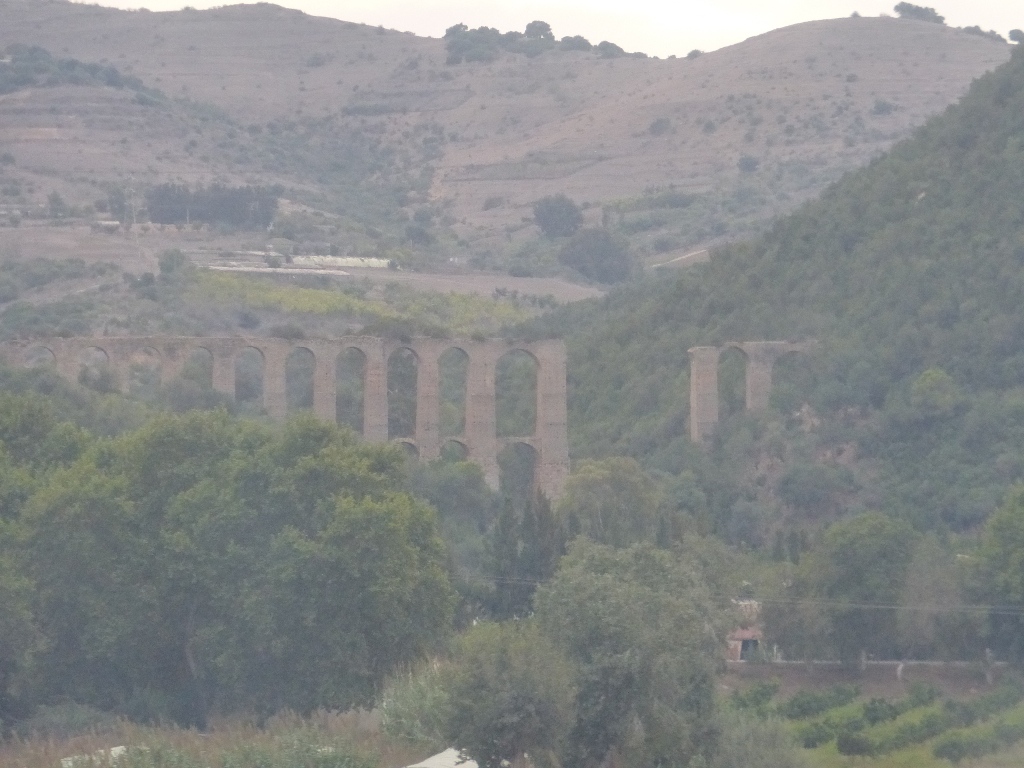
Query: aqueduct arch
(549, 439)
(761, 357)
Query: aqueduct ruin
(760, 357)
(479, 439)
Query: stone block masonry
(482, 445)
(761, 357)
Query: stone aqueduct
(761, 357)
(480, 439)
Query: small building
(745, 641)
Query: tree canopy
(644, 634)
(557, 215)
(907, 272)
(205, 564)
(918, 13)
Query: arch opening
(402, 367)
(453, 450)
(350, 375)
(145, 373)
(95, 370)
(411, 451)
(792, 378)
(249, 373)
(193, 387)
(517, 468)
(732, 382)
(299, 368)
(515, 393)
(198, 368)
(453, 368)
(38, 356)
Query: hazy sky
(657, 27)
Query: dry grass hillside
(258, 94)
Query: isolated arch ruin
(760, 357)
(549, 439)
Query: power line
(998, 610)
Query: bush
(851, 743)
(511, 692)
(557, 216)
(609, 50)
(660, 127)
(597, 255)
(957, 746)
(575, 43)
(748, 164)
(810, 703)
(756, 696)
(815, 734)
(880, 711)
(414, 706)
(748, 740)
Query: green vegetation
(165, 573)
(597, 255)
(486, 43)
(908, 274)
(245, 207)
(918, 13)
(557, 216)
(458, 314)
(25, 66)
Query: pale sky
(656, 27)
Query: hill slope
(909, 273)
(260, 94)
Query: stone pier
(479, 440)
(760, 356)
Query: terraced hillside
(374, 128)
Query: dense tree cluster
(29, 66)
(557, 215)
(918, 13)
(242, 207)
(204, 564)
(598, 255)
(486, 43)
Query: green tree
(19, 639)
(858, 570)
(918, 13)
(929, 624)
(611, 501)
(1016, 35)
(510, 692)
(557, 215)
(58, 208)
(206, 559)
(645, 637)
(542, 541)
(1001, 575)
(749, 739)
(539, 30)
(598, 255)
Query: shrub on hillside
(806, 704)
(596, 254)
(557, 215)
